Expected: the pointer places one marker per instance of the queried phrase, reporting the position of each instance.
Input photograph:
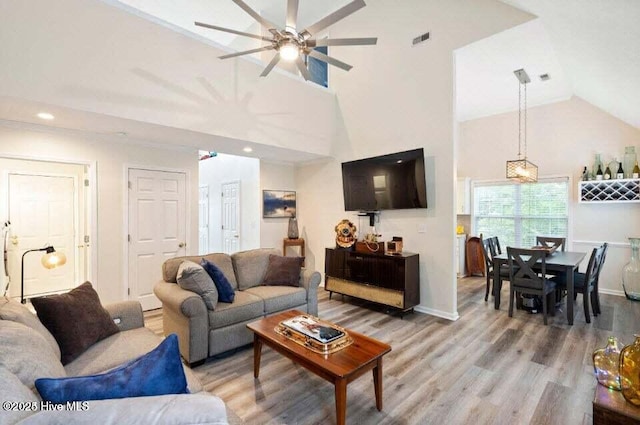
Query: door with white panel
(203, 220)
(42, 212)
(231, 217)
(157, 229)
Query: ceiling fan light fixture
(289, 51)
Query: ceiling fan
(290, 44)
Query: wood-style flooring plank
(484, 368)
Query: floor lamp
(50, 260)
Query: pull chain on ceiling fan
(290, 44)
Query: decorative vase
(631, 272)
(630, 372)
(629, 161)
(597, 163)
(292, 233)
(606, 364)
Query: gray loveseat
(204, 333)
(28, 351)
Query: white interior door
(42, 212)
(231, 217)
(203, 220)
(157, 229)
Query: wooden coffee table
(339, 368)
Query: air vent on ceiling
(544, 77)
(421, 38)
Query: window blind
(517, 213)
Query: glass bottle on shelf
(628, 160)
(620, 172)
(597, 163)
(607, 173)
(585, 174)
(636, 171)
(606, 364)
(599, 174)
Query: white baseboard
(438, 313)
(616, 292)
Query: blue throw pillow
(226, 294)
(158, 372)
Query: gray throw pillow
(194, 278)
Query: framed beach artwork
(278, 203)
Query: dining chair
(585, 283)
(595, 294)
(551, 242)
(496, 245)
(489, 251)
(524, 279)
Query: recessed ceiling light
(45, 116)
(248, 149)
(399, 161)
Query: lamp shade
(522, 170)
(53, 259)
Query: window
(517, 213)
(319, 69)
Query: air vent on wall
(421, 38)
(544, 77)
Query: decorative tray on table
(547, 249)
(317, 335)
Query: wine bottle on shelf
(599, 175)
(585, 174)
(636, 171)
(607, 173)
(620, 172)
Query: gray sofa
(28, 351)
(204, 333)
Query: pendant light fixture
(521, 169)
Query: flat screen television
(387, 182)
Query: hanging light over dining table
(522, 169)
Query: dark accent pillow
(226, 294)
(76, 320)
(158, 372)
(283, 271)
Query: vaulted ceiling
(142, 68)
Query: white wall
(562, 138)
(224, 169)
(398, 97)
(111, 156)
(276, 176)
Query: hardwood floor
(485, 368)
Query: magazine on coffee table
(313, 328)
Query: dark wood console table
(610, 408)
(392, 280)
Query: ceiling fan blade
(246, 52)
(343, 42)
(335, 16)
(330, 60)
(292, 13)
(265, 22)
(245, 34)
(303, 69)
(269, 67)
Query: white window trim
(571, 201)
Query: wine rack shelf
(623, 190)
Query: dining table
(557, 263)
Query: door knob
(182, 245)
